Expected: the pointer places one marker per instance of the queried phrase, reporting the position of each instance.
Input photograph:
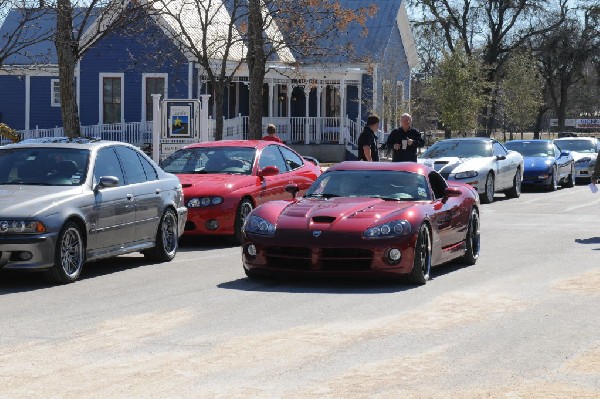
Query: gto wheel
(472, 240)
(422, 263)
(515, 191)
(69, 255)
(488, 195)
(167, 239)
(243, 211)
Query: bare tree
(493, 28)
(208, 32)
(304, 28)
(78, 26)
(22, 29)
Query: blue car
(544, 164)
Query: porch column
(27, 101)
(307, 115)
(271, 97)
(288, 104)
(342, 130)
(204, 118)
(156, 127)
(359, 117)
(319, 121)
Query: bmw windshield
(54, 166)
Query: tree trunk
(256, 68)
(218, 93)
(67, 50)
(447, 133)
(538, 123)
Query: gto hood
(27, 201)
(343, 213)
(214, 183)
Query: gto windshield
(587, 146)
(531, 148)
(458, 148)
(43, 166)
(389, 185)
(231, 160)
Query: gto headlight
(21, 227)
(204, 201)
(387, 230)
(258, 225)
(466, 175)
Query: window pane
(153, 86)
(111, 99)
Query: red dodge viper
(365, 218)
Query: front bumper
(584, 171)
(40, 246)
(202, 221)
(327, 254)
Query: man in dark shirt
(404, 141)
(367, 141)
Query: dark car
(393, 219)
(544, 163)
(65, 202)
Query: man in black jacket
(404, 141)
(367, 141)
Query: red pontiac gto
(224, 180)
(366, 218)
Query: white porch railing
(291, 130)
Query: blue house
(324, 103)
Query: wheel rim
(245, 210)
(425, 253)
(71, 252)
(169, 233)
(475, 235)
(489, 187)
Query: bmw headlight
(21, 227)
(258, 225)
(204, 201)
(466, 175)
(396, 228)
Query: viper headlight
(258, 225)
(466, 175)
(204, 201)
(396, 228)
(21, 227)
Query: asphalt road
(522, 323)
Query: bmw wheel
(167, 239)
(69, 255)
(422, 263)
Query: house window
(54, 93)
(111, 99)
(154, 85)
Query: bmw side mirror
(107, 182)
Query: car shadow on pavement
(591, 240)
(205, 243)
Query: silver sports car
(484, 163)
(584, 151)
(65, 202)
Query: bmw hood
(28, 201)
(342, 214)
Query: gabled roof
(41, 26)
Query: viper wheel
(422, 263)
(473, 239)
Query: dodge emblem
(317, 233)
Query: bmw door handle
(157, 191)
(129, 197)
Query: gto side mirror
(292, 189)
(268, 171)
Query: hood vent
(323, 219)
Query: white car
(484, 163)
(584, 151)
